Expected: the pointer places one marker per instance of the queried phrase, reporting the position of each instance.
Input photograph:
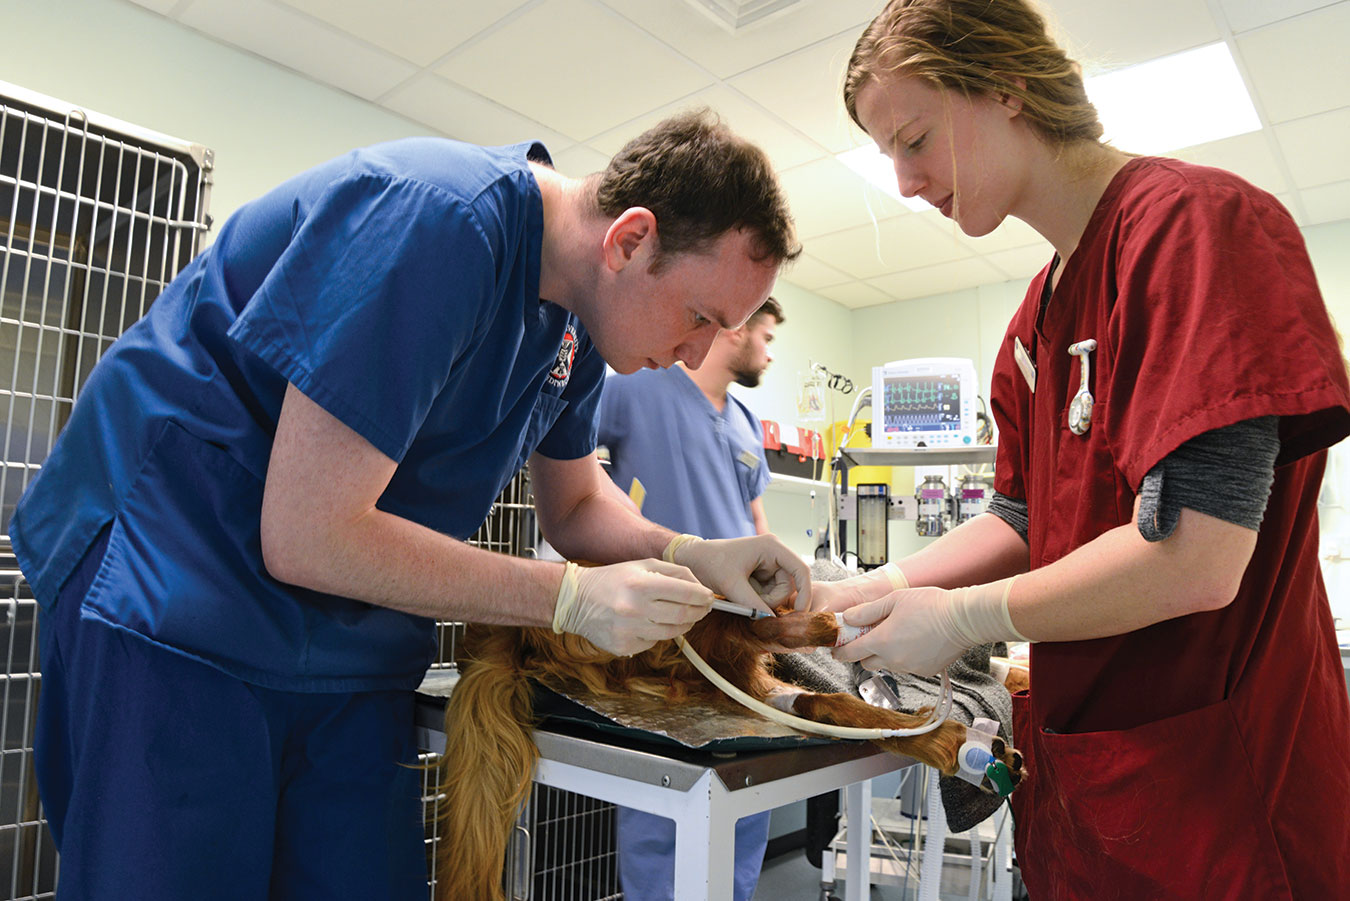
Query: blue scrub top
(397, 287)
(700, 468)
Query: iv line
(935, 719)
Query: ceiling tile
(464, 115)
(1103, 36)
(610, 72)
(940, 279)
(1299, 67)
(785, 146)
(1294, 206)
(899, 243)
(1011, 233)
(283, 35)
(1328, 203)
(1315, 148)
(855, 294)
(804, 89)
(698, 37)
(160, 6)
(1244, 15)
(1249, 155)
(826, 196)
(1021, 263)
(810, 273)
(579, 160)
(418, 30)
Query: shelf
(797, 484)
(934, 456)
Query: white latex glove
(625, 608)
(759, 572)
(836, 597)
(924, 630)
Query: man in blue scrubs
(244, 535)
(697, 454)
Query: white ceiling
(586, 75)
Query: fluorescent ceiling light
(1174, 102)
(1162, 105)
(876, 168)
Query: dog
(485, 773)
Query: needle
(738, 609)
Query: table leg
(858, 799)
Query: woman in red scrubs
(1165, 395)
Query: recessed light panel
(876, 168)
(1173, 102)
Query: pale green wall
(815, 329)
(1329, 247)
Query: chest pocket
(547, 409)
(746, 464)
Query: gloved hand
(759, 572)
(924, 630)
(626, 608)
(836, 597)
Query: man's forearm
(601, 528)
(391, 562)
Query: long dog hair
(490, 757)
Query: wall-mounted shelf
(798, 485)
(924, 456)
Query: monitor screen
(922, 403)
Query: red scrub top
(1204, 757)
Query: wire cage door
(96, 216)
(562, 847)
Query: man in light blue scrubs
(696, 454)
(243, 537)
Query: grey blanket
(976, 694)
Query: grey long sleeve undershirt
(1225, 473)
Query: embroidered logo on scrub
(567, 352)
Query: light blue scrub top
(700, 468)
(397, 287)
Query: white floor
(791, 877)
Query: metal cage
(96, 216)
(562, 848)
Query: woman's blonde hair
(980, 47)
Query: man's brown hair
(770, 307)
(701, 181)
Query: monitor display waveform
(922, 404)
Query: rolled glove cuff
(676, 543)
(568, 593)
(979, 614)
(895, 576)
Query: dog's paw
(1006, 772)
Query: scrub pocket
(547, 409)
(1170, 809)
(748, 475)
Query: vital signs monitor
(928, 402)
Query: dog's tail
(486, 770)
